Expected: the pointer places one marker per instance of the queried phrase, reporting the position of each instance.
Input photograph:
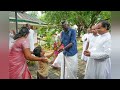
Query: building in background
(22, 19)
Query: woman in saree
(19, 54)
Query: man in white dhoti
(31, 41)
(84, 40)
(99, 63)
(69, 63)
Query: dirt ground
(55, 73)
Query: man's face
(65, 26)
(94, 30)
(100, 29)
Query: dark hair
(105, 24)
(22, 33)
(28, 26)
(37, 51)
(63, 22)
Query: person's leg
(62, 67)
(41, 77)
(42, 73)
(71, 67)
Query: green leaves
(80, 18)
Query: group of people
(20, 51)
(96, 52)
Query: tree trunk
(79, 30)
(84, 31)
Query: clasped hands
(87, 53)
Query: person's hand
(60, 50)
(44, 59)
(87, 53)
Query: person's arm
(30, 57)
(51, 54)
(27, 53)
(31, 52)
(73, 40)
(68, 46)
(101, 55)
(105, 54)
(87, 45)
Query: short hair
(64, 22)
(37, 51)
(27, 25)
(105, 24)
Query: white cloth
(57, 62)
(99, 63)
(35, 36)
(91, 39)
(11, 40)
(71, 67)
(31, 39)
(57, 38)
(84, 39)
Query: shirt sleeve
(103, 55)
(73, 37)
(25, 44)
(88, 37)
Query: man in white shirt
(31, 37)
(85, 40)
(92, 37)
(99, 65)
